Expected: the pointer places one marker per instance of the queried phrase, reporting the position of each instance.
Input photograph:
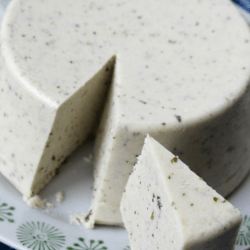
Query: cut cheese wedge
(167, 206)
(179, 70)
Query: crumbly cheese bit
(60, 196)
(167, 206)
(37, 202)
(179, 71)
(48, 204)
(82, 219)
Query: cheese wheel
(167, 206)
(179, 71)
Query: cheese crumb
(48, 204)
(60, 196)
(82, 219)
(37, 202)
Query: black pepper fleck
(159, 202)
(178, 117)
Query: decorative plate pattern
(91, 245)
(6, 213)
(39, 236)
(244, 233)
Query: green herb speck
(152, 216)
(175, 159)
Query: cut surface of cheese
(167, 206)
(179, 71)
(49, 104)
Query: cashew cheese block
(178, 70)
(167, 206)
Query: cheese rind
(166, 205)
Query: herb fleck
(159, 202)
(88, 215)
(215, 199)
(175, 159)
(230, 149)
(178, 117)
(171, 41)
(152, 216)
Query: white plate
(24, 228)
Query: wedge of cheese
(179, 71)
(167, 206)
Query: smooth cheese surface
(167, 206)
(181, 72)
(152, 53)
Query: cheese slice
(167, 206)
(179, 71)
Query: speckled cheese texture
(49, 104)
(167, 206)
(181, 73)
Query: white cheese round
(181, 73)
